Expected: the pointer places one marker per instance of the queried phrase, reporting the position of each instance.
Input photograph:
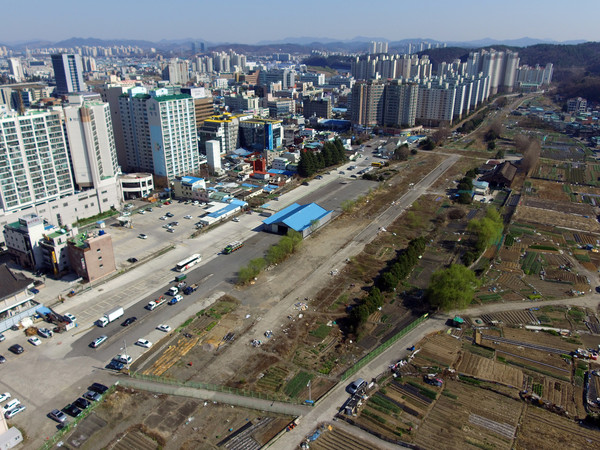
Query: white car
(165, 328)
(13, 412)
(236, 219)
(163, 217)
(141, 211)
(143, 236)
(187, 217)
(69, 316)
(11, 405)
(125, 359)
(144, 343)
(4, 397)
(34, 340)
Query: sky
(248, 22)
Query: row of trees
(286, 246)
(331, 154)
(403, 265)
(361, 312)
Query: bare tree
(531, 155)
(441, 134)
(521, 143)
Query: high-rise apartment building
(320, 108)
(34, 161)
(436, 102)
(68, 73)
(400, 103)
(366, 106)
(91, 142)
(176, 72)
(159, 132)
(16, 69)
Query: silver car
(58, 415)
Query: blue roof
(248, 185)
(191, 180)
(237, 202)
(298, 217)
(276, 171)
(483, 184)
(287, 173)
(222, 211)
(242, 152)
(269, 188)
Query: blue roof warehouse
(302, 218)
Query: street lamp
(309, 393)
(126, 355)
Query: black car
(132, 260)
(16, 349)
(72, 410)
(115, 365)
(99, 388)
(82, 403)
(2, 359)
(129, 321)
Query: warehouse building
(304, 219)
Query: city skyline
(463, 20)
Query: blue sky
(252, 21)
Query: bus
(188, 262)
(377, 164)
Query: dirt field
(541, 429)
(475, 418)
(489, 370)
(169, 422)
(334, 438)
(538, 215)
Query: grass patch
(384, 403)
(577, 314)
(321, 332)
(469, 380)
(490, 297)
(185, 324)
(374, 416)
(211, 325)
(342, 299)
(543, 247)
(297, 384)
(538, 388)
(583, 257)
(478, 350)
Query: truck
(156, 303)
(110, 316)
(188, 290)
(232, 247)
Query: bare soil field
(541, 338)
(138, 419)
(440, 348)
(334, 438)
(538, 215)
(541, 429)
(490, 370)
(476, 418)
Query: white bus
(188, 262)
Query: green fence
(217, 388)
(70, 425)
(383, 347)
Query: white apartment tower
(159, 131)
(34, 161)
(91, 142)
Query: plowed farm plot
(490, 370)
(541, 429)
(448, 425)
(338, 439)
(440, 348)
(510, 318)
(541, 338)
(555, 391)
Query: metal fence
(70, 425)
(217, 388)
(383, 347)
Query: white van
(173, 291)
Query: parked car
(34, 290)
(11, 405)
(98, 341)
(165, 328)
(129, 321)
(82, 403)
(163, 218)
(72, 410)
(187, 217)
(34, 340)
(4, 397)
(45, 332)
(16, 349)
(125, 359)
(132, 260)
(115, 365)
(149, 209)
(70, 317)
(357, 385)
(13, 412)
(170, 230)
(144, 343)
(92, 395)
(2, 337)
(143, 236)
(235, 219)
(58, 415)
(2, 359)
(169, 214)
(99, 388)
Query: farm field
(490, 370)
(541, 429)
(471, 418)
(334, 438)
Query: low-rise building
(185, 187)
(91, 255)
(22, 237)
(304, 219)
(136, 185)
(16, 301)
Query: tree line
(331, 153)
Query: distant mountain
(521, 42)
(91, 42)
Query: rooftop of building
(298, 217)
(12, 282)
(168, 98)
